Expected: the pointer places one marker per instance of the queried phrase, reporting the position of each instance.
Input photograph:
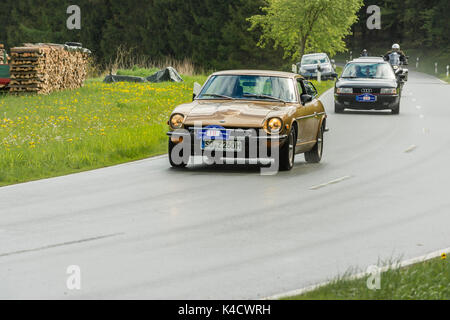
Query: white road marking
(418, 107)
(330, 182)
(395, 266)
(413, 99)
(410, 148)
(421, 116)
(426, 130)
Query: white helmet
(395, 46)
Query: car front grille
(366, 90)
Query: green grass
(95, 126)
(428, 280)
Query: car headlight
(388, 91)
(344, 90)
(176, 121)
(274, 125)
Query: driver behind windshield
(362, 72)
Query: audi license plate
(222, 145)
(366, 98)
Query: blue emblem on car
(213, 133)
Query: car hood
(314, 66)
(364, 83)
(229, 113)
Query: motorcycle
(398, 65)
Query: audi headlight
(388, 91)
(344, 90)
(274, 125)
(176, 121)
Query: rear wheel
(315, 155)
(287, 152)
(179, 155)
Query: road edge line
(360, 275)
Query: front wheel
(287, 152)
(181, 161)
(338, 108)
(396, 109)
(315, 155)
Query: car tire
(315, 154)
(287, 152)
(338, 108)
(172, 163)
(396, 109)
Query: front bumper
(253, 145)
(313, 75)
(383, 102)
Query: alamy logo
(374, 21)
(74, 280)
(374, 280)
(74, 20)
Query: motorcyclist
(364, 53)
(396, 48)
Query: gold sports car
(249, 114)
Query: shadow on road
(300, 168)
(369, 112)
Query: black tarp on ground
(167, 74)
(115, 78)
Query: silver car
(314, 62)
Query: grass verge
(95, 126)
(427, 280)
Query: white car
(314, 62)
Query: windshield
(368, 70)
(249, 87)
(314, 59)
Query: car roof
(315, 54)
(268, 73)
(368, 59)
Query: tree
(301, 26)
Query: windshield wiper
(217, 96)
(263, 96)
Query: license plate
(222, 145)
(366, 98)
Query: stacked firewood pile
(44, 68)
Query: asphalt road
(144, 230)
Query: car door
(305, 118)
(315, 107)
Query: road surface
(144, 230)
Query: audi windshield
(369, 70)
(249, 87)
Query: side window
(310, 89)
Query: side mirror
(197, 89)
(334, 75)
(305, 98)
